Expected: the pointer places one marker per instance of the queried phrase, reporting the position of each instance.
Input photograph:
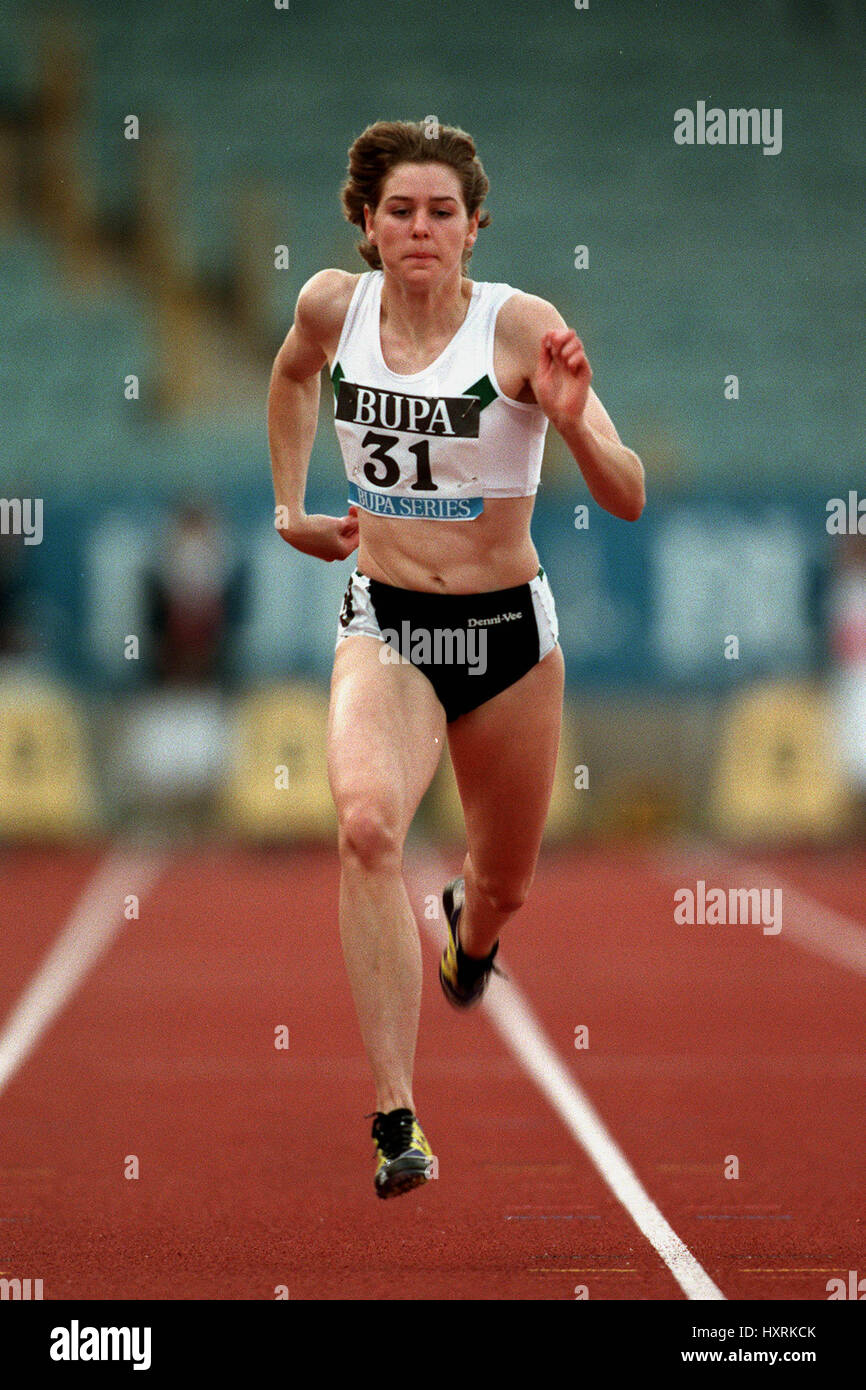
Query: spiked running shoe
(463, 978)
(404, 1159)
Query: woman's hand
(325, 537)
(563, 377)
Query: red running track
(255, 1163)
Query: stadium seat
(277, 786)
(776, 774)
(568, 804)
(45, 781)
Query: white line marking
(94, 922)
(805, 921)
(513, 1017)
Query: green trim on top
(483, 390)
(336, 377)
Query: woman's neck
(425, 311)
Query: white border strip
(94, 922)
(513, 1017)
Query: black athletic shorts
(469, 646)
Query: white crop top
(432, 444)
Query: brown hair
(385, 144)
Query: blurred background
(169, 178)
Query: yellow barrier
(277, 784)
(776, 775)
(45, 781)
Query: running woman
(443, 390)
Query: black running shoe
(404, 1159)
(463, 978)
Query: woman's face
(420, 227)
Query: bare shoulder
(322, 304)
(521, 323)
(524, 317)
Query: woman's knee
(369, 835)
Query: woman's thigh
(386, 732)
(504, 757)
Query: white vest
(431, 444)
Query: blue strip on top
(426, 508)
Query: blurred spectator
(847, 641)
(27, 618)
(194, 601)
(12, 635)
(174, 749)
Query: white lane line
(94, 922)
(512, 1016)
(805, 920)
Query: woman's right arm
(293, 412)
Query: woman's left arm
(560, 381)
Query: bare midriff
(493, 551)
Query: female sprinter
(443, 388)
